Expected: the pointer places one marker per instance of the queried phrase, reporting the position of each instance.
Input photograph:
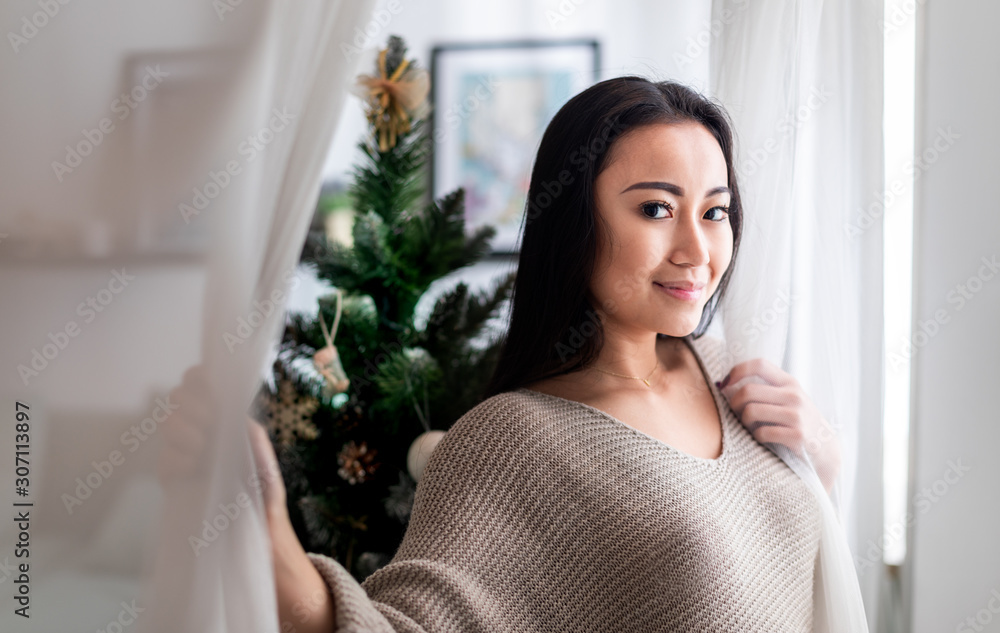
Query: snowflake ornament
(289, 414)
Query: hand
(188, 431)
(304, 600)
(272, 487)
(779, 411)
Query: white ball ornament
(420, 452)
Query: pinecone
(357, 463)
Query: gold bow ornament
(393, 99)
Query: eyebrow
(674, 189)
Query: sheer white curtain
(180, 145)
(802, 82)
(296, 67)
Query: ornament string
(416, 406)
(336, 322)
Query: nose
(689, 246)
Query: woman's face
(663, 196)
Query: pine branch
(335, 263)
(402, 380)
(484, 305)
(468, 372)
(390, 182)
(458, 316)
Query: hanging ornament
(357, 462)
(392, 98)
(327, 360)
(420, 452)
(422, 447)
(289, 414)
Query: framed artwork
(492, 103)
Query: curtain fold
(802, 81)
(164, 159)
(297, 75)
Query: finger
(762, 412)
(189, 430)
(263, 451)
(267, 467)
(753, 426)
(784, 435)
(765, 394)
(762, 367)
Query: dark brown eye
(723, 212)
(655, 210)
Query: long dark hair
(554, 329)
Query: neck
(637, 356)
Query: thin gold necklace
(645, 380)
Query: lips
(685, 291)
(681, 285)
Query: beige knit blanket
(537, 513)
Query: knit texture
(537, 513)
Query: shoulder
(500, 446)
(499, 418)
(521, 423)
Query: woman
(603, 484)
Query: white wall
(955, 565)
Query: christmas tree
(363, 393)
